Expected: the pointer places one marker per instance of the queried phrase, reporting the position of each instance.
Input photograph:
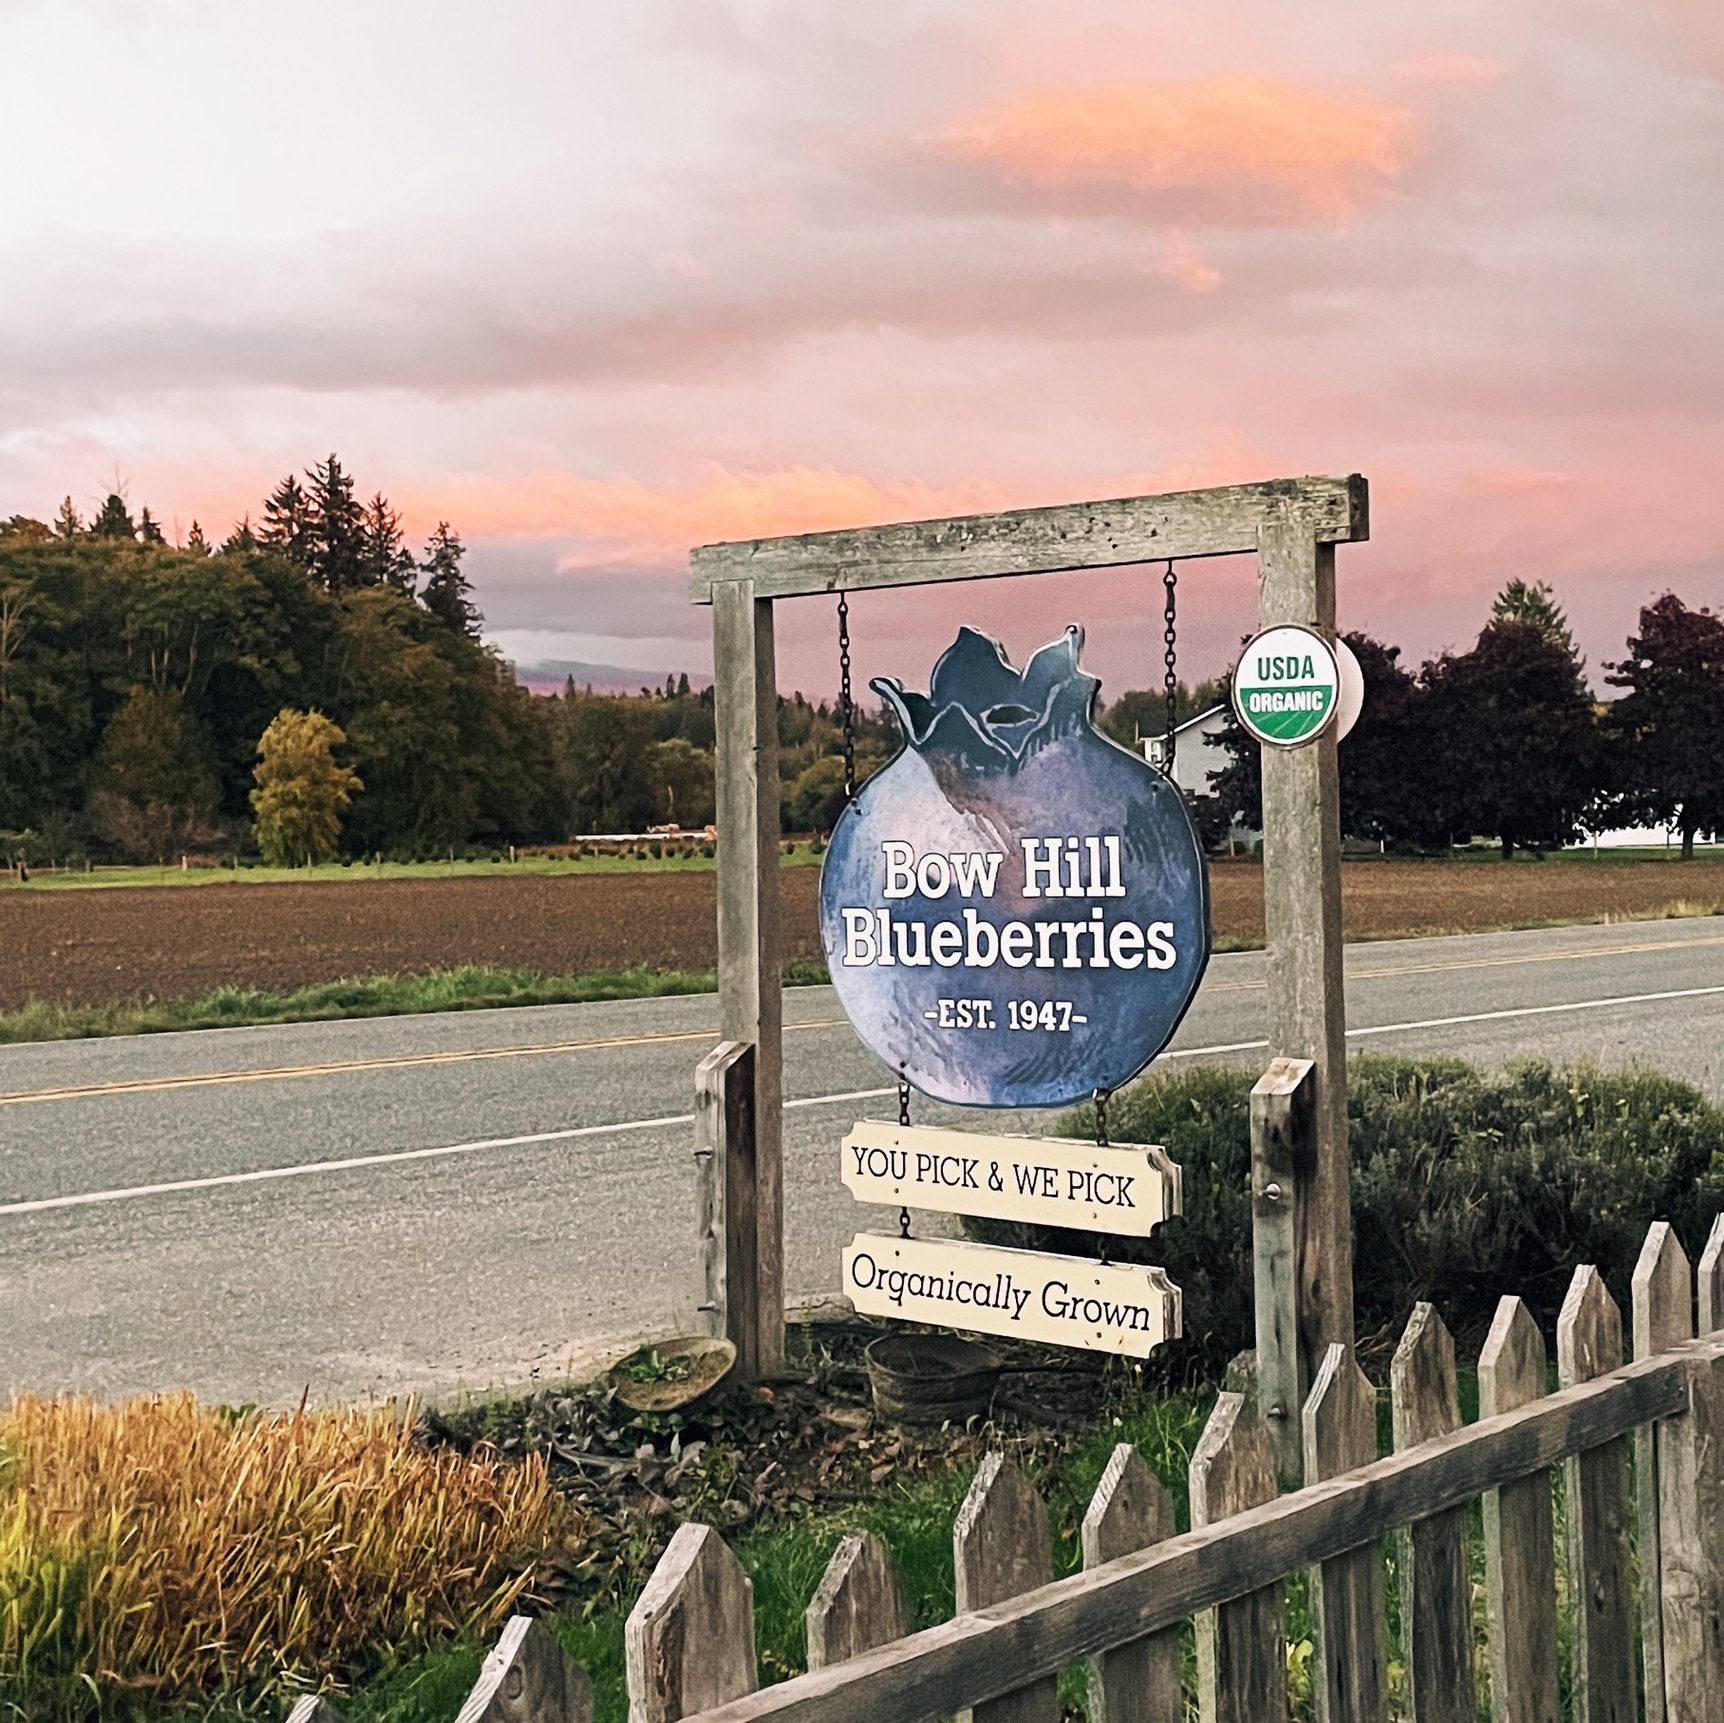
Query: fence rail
(690, 1641)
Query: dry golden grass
(161, 1552)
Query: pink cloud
(627, 521)
(1259, 150)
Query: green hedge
(1466, 1184)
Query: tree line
(139, 680)
(1505, 740)
(138, 677)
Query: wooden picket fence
(1646, 1623)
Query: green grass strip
(468, 987)
(641, 859)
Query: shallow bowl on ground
(931, 1378)
(671, 1373)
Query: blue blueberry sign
(1015, 910)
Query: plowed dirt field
(96, 947)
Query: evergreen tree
(149, 530)
(1667, 728)
(196, 543)
(337, 528)
(1535, 605)
(301, 792)
(384, 558)
(682, 686)
(242, 538)
(114, 519)
(446, 593)
(288, 525)
(66, 523)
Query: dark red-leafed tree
(1668, 729)
(1510, 743)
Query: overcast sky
(597, 282)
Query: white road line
(85, 1198)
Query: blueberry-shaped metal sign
(1015, 910)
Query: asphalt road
(449, 1204)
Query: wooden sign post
(1292, 526)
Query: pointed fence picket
(1595, 1503)
(1435, 1564)
(690, 1639)
(1138, 1682)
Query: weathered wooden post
(1283, 1142)
(726, 1182)
(1302, 921)
(750, 987)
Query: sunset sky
(598, 282)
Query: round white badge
(1287, 687)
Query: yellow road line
(459, 1056)
(342, 1067)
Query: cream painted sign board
(1128, 1189)
(1018, 1294)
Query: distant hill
(548, 677)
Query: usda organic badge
(1287, 687)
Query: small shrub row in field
(161, 1553)
(1466, 1184)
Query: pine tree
(337, 536)
(1535, 605)
(242, 538)
(384, 558)
(66, 523)
(114, 519)
(287, 522)
(196, 543)
(446, 593)
(149, 529)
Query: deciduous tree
(154, 792)
(1668, 728)
(1386, 785)
(301, 791)
(1512, 739)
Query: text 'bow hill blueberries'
(1015, 910)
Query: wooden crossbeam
(1225, 521)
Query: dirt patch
(99, 947)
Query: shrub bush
(162, 1553)
(1466, 1184)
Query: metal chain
(1170, 658)
(1101, 1100)
(903, 1120)
(846, 706)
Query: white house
(1193, 757)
